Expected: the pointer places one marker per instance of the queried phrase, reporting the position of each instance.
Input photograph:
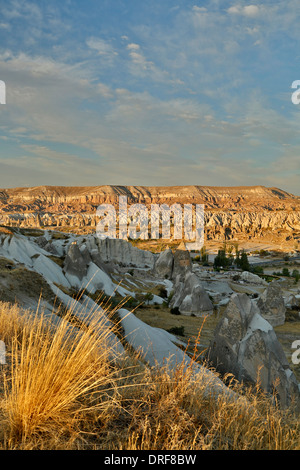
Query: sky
(153, 93)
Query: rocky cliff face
(232, 213)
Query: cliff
(235, 213)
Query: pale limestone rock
(271, 304)
(246, 345)
(75, 264)
(182, 261)
(190, 297)
(164, 264)
(122, 252)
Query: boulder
(85, 254)
(292, 301)
(75, 262)
(47, 245)
(124, 253)
(182, 261)
(190, 298)
(163, 267)
(252, 278)
(271, 304)
(245, 345)
(108, 268)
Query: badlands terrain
(164, 306)
(157, 301)
(256, 217)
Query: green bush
(175, 311)
(177, 330)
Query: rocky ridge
(233, 213)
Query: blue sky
(149, 93)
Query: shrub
(175, 311)
(296, 275)
(285, 272)
(163, 292)
(177, 330)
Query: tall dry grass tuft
(52, 371)
(174, 412)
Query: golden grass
(61, 390)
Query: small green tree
(242, 261)
(148, 297)
(296, 275)
(221, 261)
(258, 270)
(285, 272)
(204, 254)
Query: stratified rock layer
(244, 213)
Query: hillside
(214, 197)
(254, 214)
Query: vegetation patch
(88, 402)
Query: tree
(204, 254)
(242, 261)
(148, 297)
(286, 272)
(296, 275)
(221, 260)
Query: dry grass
(61, 390)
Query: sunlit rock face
(245, 345)
(246, 213)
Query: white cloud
(104, 48)
(104, 90)
(144, 68)
(133, 46)
(250, 11)
(21, 9)
(199, 9)
(234, 10)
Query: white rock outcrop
(122, 252)
(163, 267)
(271, 304)
(190, 298)
(246, 345)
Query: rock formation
(246, 345)
(75, 262)
(253, 278)
(123, 253)
(271, 304)
(182, 261)
(190, 298)
(163, 267)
